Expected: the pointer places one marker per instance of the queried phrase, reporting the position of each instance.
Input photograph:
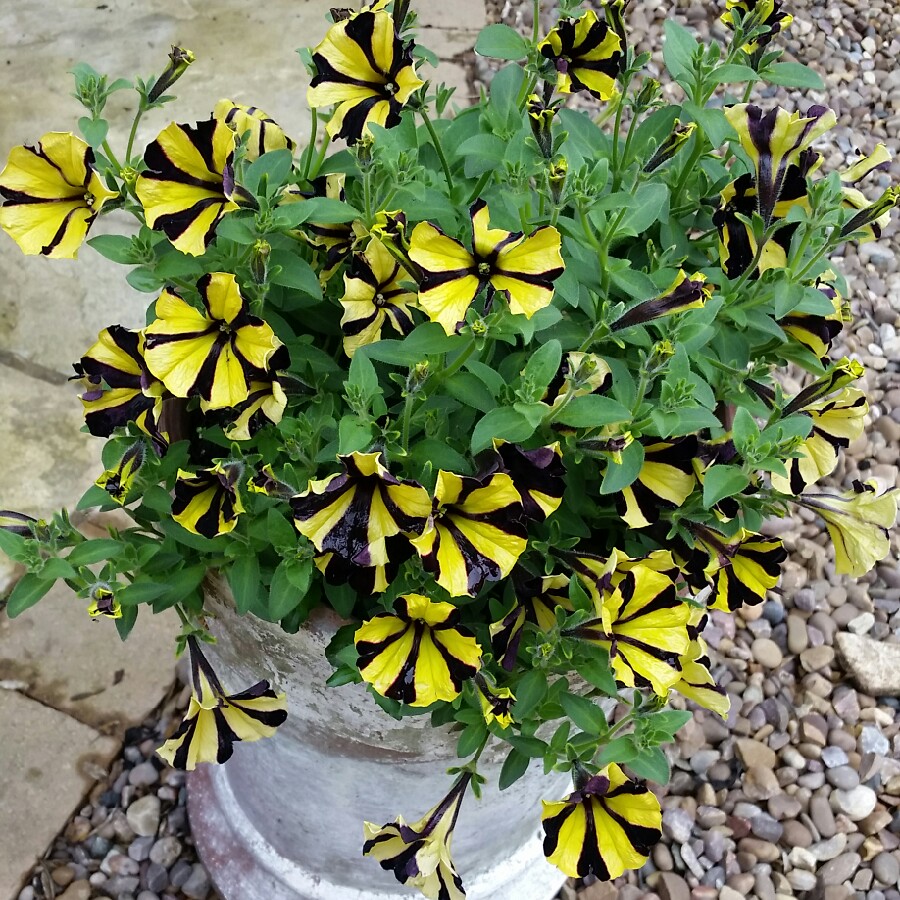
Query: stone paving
(68, 687)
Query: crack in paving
(32, 369)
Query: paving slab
(45, 757)
(80, 666)
(52, 310)
(47, 461)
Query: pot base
(244, 866)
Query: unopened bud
(559, 172)
(671, 145)
(540, 117)
(179, 60)
(259, 261)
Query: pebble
(761, 783)
(871, 740)
(143, 815)
(197, 885)
(834, 757)
(672, 887)
(886, 869)
(144, 774)
(767, 653)
(822, 816)
(840, 869)
(855, 803)
(156, 878)
(165, 851)
(677, 825)
(842, 777)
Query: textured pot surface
(282, 820)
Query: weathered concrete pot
(282, 820)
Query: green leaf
(143, 591)
(299, 573)
(481, 152)
(470, 739)
(599, 673)
(363, 375)
(282, 535)
(668, 721)
(618, 750)
(618, 476)
(652, 204)
(744, 430)
(244, 581)
(592, 411)
(501, 42)
(116, 247)
(183, 583)
(679, 49)
(713, 122)
(95, 551)
(144, 280)
(722, 481)
(504, 422)
(530, 746)
(13, 545)
(584, 713)
(94, 130)
(295, 273)
(283, 596)
(687, 420)
(542, 366)
(734, 74)
(321, 210)
(353, 434)
(514, 767)
(651, 764)
(29, 589)
(55, 568)
(125, 622)
(470, 389)
(275, 165)
(530, 693)
(791, 74)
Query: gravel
(797, 794)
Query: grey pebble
(871, 740)
(143, 815)
(886, 869)
(840, 869)
(144, 775)
(197, 885)
(180, 873)
(166, 851)
(677, 825)
(156, 878)
(842, 777)
(834, 757)
(139, 849)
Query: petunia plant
(500, 384)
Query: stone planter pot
(283, 819)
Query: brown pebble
(839, 869)
(795, 835)
(762, 850)
(670, 886)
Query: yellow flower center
(484, 269)
(380, 300)
(391, 88)
(89, 198)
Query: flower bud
(671, 145)
(648, 94)
(179, 60)
(363, 150)
(559, 171)
(104, 602)
(540, 117)
(259, 261)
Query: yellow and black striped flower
(374, 293)
(817, 332)
(475, 533)
(419, 853)
(682, 294)
(739, 570)
(334, 241)
(17, 523)
(858, 522)
(643, 625)
(266, 402)
(737, 243)
(774, 141)
(770, 13)
(599, 575)
(208, 502)
(536, 601)
(870, 219)
(587, 54)
(264, 134)
(521, 268)
(836, 423)
(118, 481)
(51, 195)
(104, 603)
(186, 189)
(603, 828)
(418, 654)
(215, 721)
(538, 476)
(496, 702)
(665, 481)
(579, 374)
(119, 387)
(366, 72)
(215, 354)
(366, 580)
(697, 682)
(354, 513)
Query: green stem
(626, 151)
(134, 127)
(111, 157)
(617, 175)
(440, 150)
(320, 158)
(686, 172)
(367, 196)
(311, 146)
(480, 186)
(407, 419)
(458, 363)
(643, 383)
(536, 32)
